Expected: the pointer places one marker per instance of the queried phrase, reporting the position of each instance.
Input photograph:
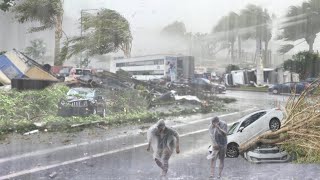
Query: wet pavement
(123, 155)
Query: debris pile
(300, 133)
(16, 68)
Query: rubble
(31, 132)
(53, 175)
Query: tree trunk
(310, 40)
(239, 48)
(311, 47)
(58, 36)
(232, 52)
(266, 43)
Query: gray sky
(198, 15)
(148, 17)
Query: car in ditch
(267, 154)
(82, 102)
(251, 126)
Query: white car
(250, 127)
(267, 155)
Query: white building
(155, 66)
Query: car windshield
(81, 92)
(205, 80)
(233, 128)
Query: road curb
(246, 90)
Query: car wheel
(232, 151)
(274, 124)
(275, 91)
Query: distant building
(155, 66)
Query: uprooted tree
(300, 130)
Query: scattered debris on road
(31, 132)
(53, 175)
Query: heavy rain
(150, 89)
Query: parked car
(251, 126)
(312, 80)
(288, 88)
(82, 102)
(267, 154)
(205, 84)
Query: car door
(250, 127)
(258, 124)
(286, 88)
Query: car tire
(275, 91)
(274, 124)
(232, 150)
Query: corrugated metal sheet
(17, 61)
(37, 73)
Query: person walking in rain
(163, 141)
(218, 134)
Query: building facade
(155, 67)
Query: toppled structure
(14, 65)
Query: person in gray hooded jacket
(163, 141)
(218, 134)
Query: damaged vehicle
(206, 85)
(82, 102)
(267, 154)
(250, 127)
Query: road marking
(42, 168)
(51, 150)
(208, 119)
(37, 169)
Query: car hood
(72, 98)
(219, 85)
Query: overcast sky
(198, 15)
(148, 17)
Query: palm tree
(106, 32)
(257, 25)
(49, 13)
(302, 22)
(227, 30)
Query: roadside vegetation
(24, 111)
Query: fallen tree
(300, 130)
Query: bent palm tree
(302, 22)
